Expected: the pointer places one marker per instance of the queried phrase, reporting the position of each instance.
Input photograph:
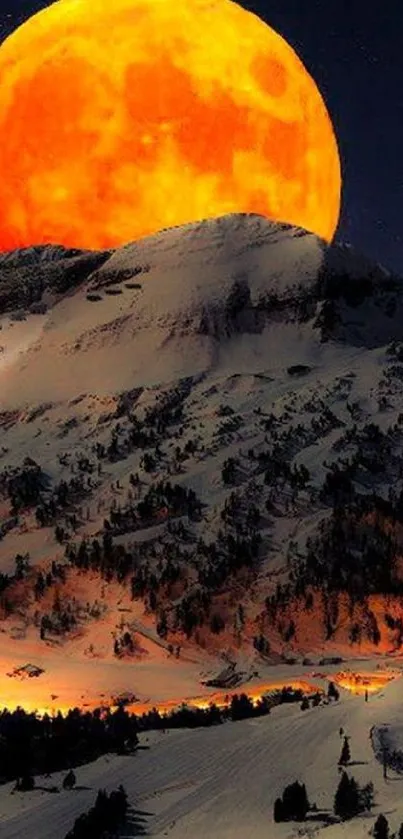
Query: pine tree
(366, 797)
(69, 781)
(345, 755)
(381, 828)
(278, 814)
(295, 802)
(346, 800)
(26, 783)
(332, 692)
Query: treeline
(354, 552)
(32, 745)
(213, 565)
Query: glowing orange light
(361, 683)
(118, 119)
(219, 698)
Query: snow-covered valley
(222, 781)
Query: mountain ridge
(205, 429)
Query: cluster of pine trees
(350, 799)
(293, 804)
(104, 818)
(32, 745)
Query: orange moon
(121, 118)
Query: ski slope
(221, 782)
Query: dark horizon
(357, 63)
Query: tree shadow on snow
(136, 824)
(325, 816)
(358, 763)
(51, 789)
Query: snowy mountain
(192, 299)
(201, 491)
(236, 358)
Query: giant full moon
(120, 118)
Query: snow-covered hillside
(201, 481)
(241, 361)
(221, 295)
(222, 781)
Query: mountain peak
(210, 293)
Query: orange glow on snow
(223, 697)
(219, 698)
(359, 683)
(118, 119)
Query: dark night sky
(354, 51)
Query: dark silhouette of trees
(69, 780)
(381, 828)
(346, 801)
(229, 470)
(351, 799)
(32, 745)
(278, 813)
(25, 485)
(25, 784)
(345, 755)
(332, 692)
(107, 815)
(217, 623)
(293, 805)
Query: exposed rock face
(217, 278)
(237, 293)
(27, 274)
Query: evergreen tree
(278, 814)
(381, 828)
(345, 755)
(295, 802)
(366, 797)
(69, 781)
(332, 692)
(346, 800)
(26, 783)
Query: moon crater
(118, 121)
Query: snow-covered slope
(182, 302)
(232, 341)
(244, 361)
(222, 781)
